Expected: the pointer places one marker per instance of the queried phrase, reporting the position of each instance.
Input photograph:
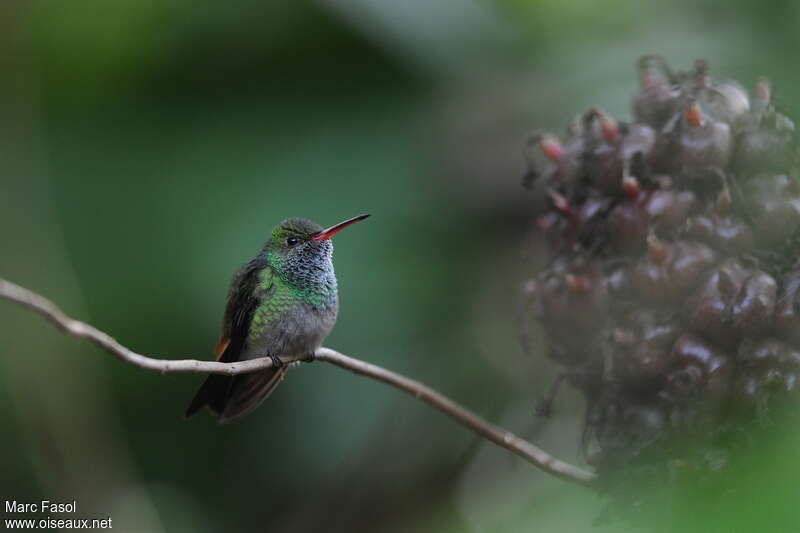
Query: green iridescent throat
(282, 296)
(320, 293)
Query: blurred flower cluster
(671, 295)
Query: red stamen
(631, 187)
(552, 149)
(579, 284)
(694, 115)
(562, 204)
(609, 128)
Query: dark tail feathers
(230, 397)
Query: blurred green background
(147, 148)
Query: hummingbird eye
(291, 241)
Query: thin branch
(504, 439)
(76, 328)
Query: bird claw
(276, 361)
(310, 358)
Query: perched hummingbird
(282, 302)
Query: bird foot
(310, 358)
(276, 361)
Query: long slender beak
(328, 233)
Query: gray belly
(299, 331)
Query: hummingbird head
(300, 250)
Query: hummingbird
(284, 301)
